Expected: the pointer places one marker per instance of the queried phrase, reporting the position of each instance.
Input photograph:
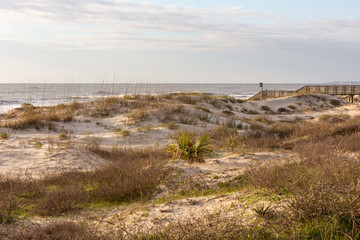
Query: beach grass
(316, 188)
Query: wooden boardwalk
(349, 90)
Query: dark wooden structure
(350, 90)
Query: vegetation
(227, 112)
(122, 132)
(4, 136)
(38, 144)
(128, 176)
(292, 107)
(63, 136)
(335, 102)
(186, 146)
(312, 194)
(265, 108)
(58, 231)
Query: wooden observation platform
(350, 90)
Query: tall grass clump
(186, 146)
(58, 113)
(29, 117)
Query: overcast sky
(163, 41)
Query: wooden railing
(350, 90)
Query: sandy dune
(20, 155)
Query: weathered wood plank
(323, 89)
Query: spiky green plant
(186, 146)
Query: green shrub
(281, 110)
(334, 118)
(122, 132)
(292, 107)
(63, 136)
(145, 129)
(171, 125)
(230, 113)
(265, 108)
(335, 102)
(203, 109)
(264, 120)
(253, 112)
(4, 136)
(38, 144)
(125, 133)
(9, 204)
(186, 146)
(262, 211)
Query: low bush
(264, 120)
(334, 118)
(226, 137)
(130, 175)
(186, 146)
(324, 198)
(227, 112)
(63, 136)
(282, 110)
(171, 125)
(215, 226)
(253, 112)
(292, 107)
(187, 99)
(335, 102)
(38, 144)
(54, 231)
(4, 136)
(138, 116)
(204, 109)
(265, 108)
(122, 132)
(29, 118)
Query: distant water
(13, 95)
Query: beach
(38, 142)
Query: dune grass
(130, 175)
(318, 188)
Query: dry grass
(319, 191)
(130, 175)
(37, 117)
(323, 186)
(217, 225)
(29, 117)
(137, 116)
(53, 231)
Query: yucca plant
(186, 146)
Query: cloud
(116, 24)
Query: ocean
(13, 95)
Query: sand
(20, 156)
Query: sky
(164, 41)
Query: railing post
(261, 85)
